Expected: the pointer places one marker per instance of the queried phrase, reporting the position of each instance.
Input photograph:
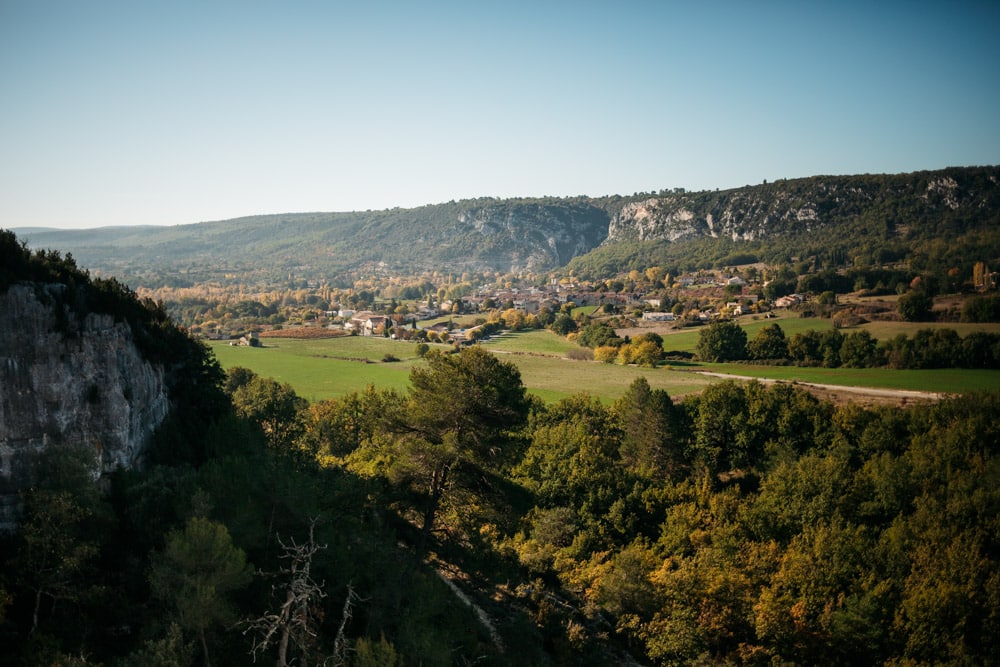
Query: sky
(142, 112)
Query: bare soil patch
(303, 332)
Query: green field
(945, 380)
(324, 368)
(538, 341)
(327, 368)
(686, 340)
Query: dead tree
(296, 619)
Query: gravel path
(895, 394)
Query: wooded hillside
(946, 218)
(462, 521)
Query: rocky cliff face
(67, 380)
(801, 206)
(531, 237)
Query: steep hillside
(509, 235)
(867, 218)
(922, 204)
(934, 219)
(80, 383)
(84, 365)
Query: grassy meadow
(686, 339)
(326, 368)
(944, 380)
(321, 369)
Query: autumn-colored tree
(273, 406)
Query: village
(690, 300)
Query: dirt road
(846, 394)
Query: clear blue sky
(141, 112)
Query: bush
(389, 358)
(606, 353)
(981, 309)
(915, 306)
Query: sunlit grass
(328, 368)
(944, 380)
(537, 341)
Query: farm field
(538, 341)
(328, 368)
(320, 369)
(685, 340)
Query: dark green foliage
(825, 281)
(859, 350)
(915, 306)
(722, 341)
(273, 406)
(463, 410)
(769, 343)
(843, 549)
(598, 334)
(196, 573)
(563, 324)
(981, 309)
(750, 520)
(652, 440)
(927, 348)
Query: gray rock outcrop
(73, 381)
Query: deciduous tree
(769, 343)
(722, 341)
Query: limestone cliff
(931, 203)
(71, 380)
(536, 235)
(520, 237)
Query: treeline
(927, 348)
(747, 525)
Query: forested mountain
(510, 235)
(936, 219)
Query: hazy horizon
(132, 114)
